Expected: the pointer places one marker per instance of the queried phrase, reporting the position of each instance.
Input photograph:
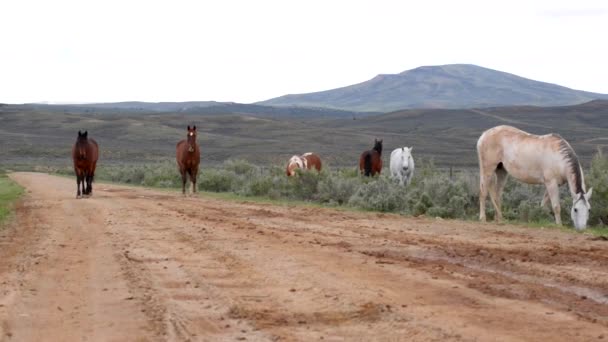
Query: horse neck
(574, 173)
(576, 181)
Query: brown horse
(85, 153)
(370, 162)
(306, 161)
(188, 157)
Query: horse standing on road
(402, 165)
(306, 161)
(533, 159)
(85, 153)
(370, 162)
(188, 155)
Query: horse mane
(378, 146)
(572, 160)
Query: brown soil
(131, 264)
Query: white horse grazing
(402, 165)
(533, 159)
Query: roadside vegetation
(434, 192)
(9, 193)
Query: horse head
(580, 209)
(295, 162)
(191, 138)
(81, 143)
(406, 159)
(378, 146)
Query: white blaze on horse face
(191, 134)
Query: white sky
(246, 51)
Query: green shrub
(598, 180)
(217, 180)
(380, 194)
(337, 190)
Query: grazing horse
(85, 153)
(370, 162)
(188, 157)
(306, 161)
(402, 165)
(533, 159)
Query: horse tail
(367, 164)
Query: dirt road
(131, 264)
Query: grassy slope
(9, 193)
(39, 137)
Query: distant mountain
(445, 86)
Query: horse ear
(588, 194)
(194, 128)
(411, 148)
(85, 134)
(188, 127)
(79, 133)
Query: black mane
(378, 146)
(572, 159)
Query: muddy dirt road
(131, 264)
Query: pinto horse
(370, 162)
(188, 156)
(533, 159)
(306, 161)
(85, 153)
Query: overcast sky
(247, 51)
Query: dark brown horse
(188, 157)
(370, 162)
(85, 153)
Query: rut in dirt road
(143, 265)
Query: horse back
(527, 157)
(91, 157)
(313, 160)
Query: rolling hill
(445, 86)
(35, 136)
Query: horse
(534, 159)
(370, 162)
(85, 153)
(306, 161)
(188, 156)
(402, 165)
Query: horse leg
(78, 179)
(89, 185)
(484, 182)
(496, 194)
(553, 191)
(91, 179)
(85, 185)
(184, 179)
(545, 199)
(193, 179)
